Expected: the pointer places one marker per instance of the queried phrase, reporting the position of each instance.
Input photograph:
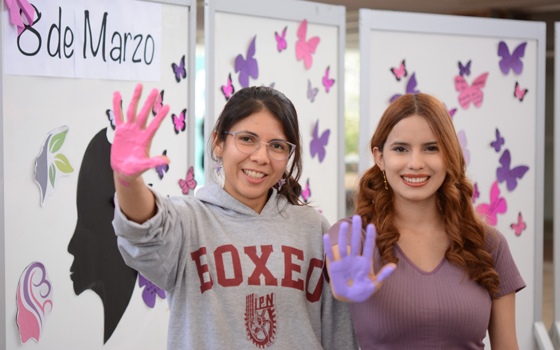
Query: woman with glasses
(242, 260)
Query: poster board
(58, 77)
(438, 48)
(230, 29)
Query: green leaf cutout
(63, 164)
(52, 174)
(57, 140)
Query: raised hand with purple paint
(130, 152)
(352, 275)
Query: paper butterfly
(162, 169)
(507, 174)
(247, 67)
(410, 88)
(511, 61)
(317, 145)
(466, 69)
(281, 40)
(327, 82)
(306, 192)
(473, 93)
(179, 70)
(497, 205)
(189, 183)
(499, 141)
(463, 141)
(400, 71)
(111, 117)
(476, 193)
(228, 89)
(519, 93)
(150, 291)
(305, 48)
(520, 226)
(18, 8)
(158, 104)
(179, 123)
(311, 91)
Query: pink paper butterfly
(305, 48)
(158, 104)
(247, 67)
(18, 8)
(410, 88)
(311, 91)
(462, 136)
(189, 183)
(520, 226)
(465, 69)
(318, 143)
(228, 89)
(327, 82)
(306, 192)
(497, 205)
(511, 61)
(476, 193)
(499, 142)
(179, 123)
(281, 43)
(519, 93)
(179, 69)
(472, 93)
(400, 71)
(162, 169)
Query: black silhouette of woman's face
(98, 264)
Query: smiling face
(249, 177)
(412, 161)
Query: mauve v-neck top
(439, 309)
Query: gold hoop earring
(384, 180)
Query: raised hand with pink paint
(352, 274)
(130, 152)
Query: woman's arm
(502, 323)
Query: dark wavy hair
(466, 231)
(250, 100)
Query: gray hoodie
(237, 279)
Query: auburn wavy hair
(467, 233)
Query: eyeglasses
(248, 143)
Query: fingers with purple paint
(130, 152)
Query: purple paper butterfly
(465, 69)
(410, 88)
(499, 141)
(508, 174)
(150, 291)
(476, 192)
(317, 145)
(311, 91)
(281, 43)
(247, 67)
(179, 70)
(162, 169)
(511, 61)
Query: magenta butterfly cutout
(499, 142)
(519, 93)
(400, 71)
(519, 226)
(189, 183)
(305, 48)
(17, 8)
(111, 118)
(476, 192)
(306, 192)
(410, 87)
(281, 43)
(179, 121)
(318, 143)
(462, 136)
(311, 91)
(497, 205)
(508, 174)
(158, 104)
(228, 89)
(247, 67)
(465, 69)
(179, 69)
(150, 291)
(511, 61)
(470, 93)
(327, 82)
(162, 169)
